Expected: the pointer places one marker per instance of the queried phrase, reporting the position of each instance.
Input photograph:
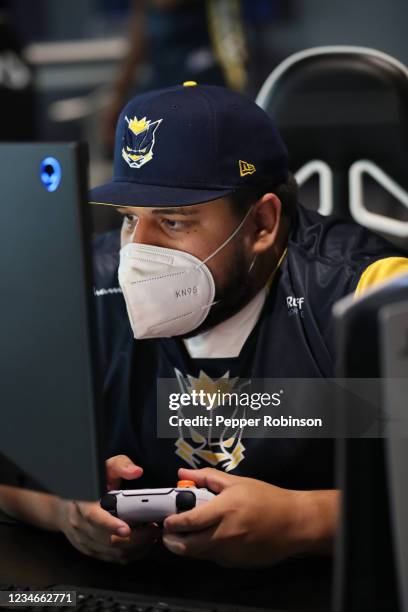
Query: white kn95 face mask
(167, 292)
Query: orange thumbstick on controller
(185, 484)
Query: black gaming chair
(343, 112)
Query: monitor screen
(366, 575)
(49, 420)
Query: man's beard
(236, 292)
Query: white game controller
(153, 505)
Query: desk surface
(35, 557)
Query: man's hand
(251, 523)
(95, 532)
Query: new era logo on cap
(246, 168)
(190, 144)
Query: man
(222, 274)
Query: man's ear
(267, 219)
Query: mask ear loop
(234, 233)
(252, 264)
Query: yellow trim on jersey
(380, 271)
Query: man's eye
(172, 224)
(130, 219)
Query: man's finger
(119, 467)
(198, 545)
(139, 538)
(101, 520)
(100, 535)
(209, 478)
(197, 519)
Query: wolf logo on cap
(139, 141)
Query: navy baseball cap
(190, 144)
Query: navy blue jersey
(293, 338)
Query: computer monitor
(368, 568)
(394, 353)
(50, 425)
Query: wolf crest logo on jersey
(139, 141)
(226, 451)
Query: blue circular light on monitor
(50, 173)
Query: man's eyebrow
(171, 210)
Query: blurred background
(68, 66)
